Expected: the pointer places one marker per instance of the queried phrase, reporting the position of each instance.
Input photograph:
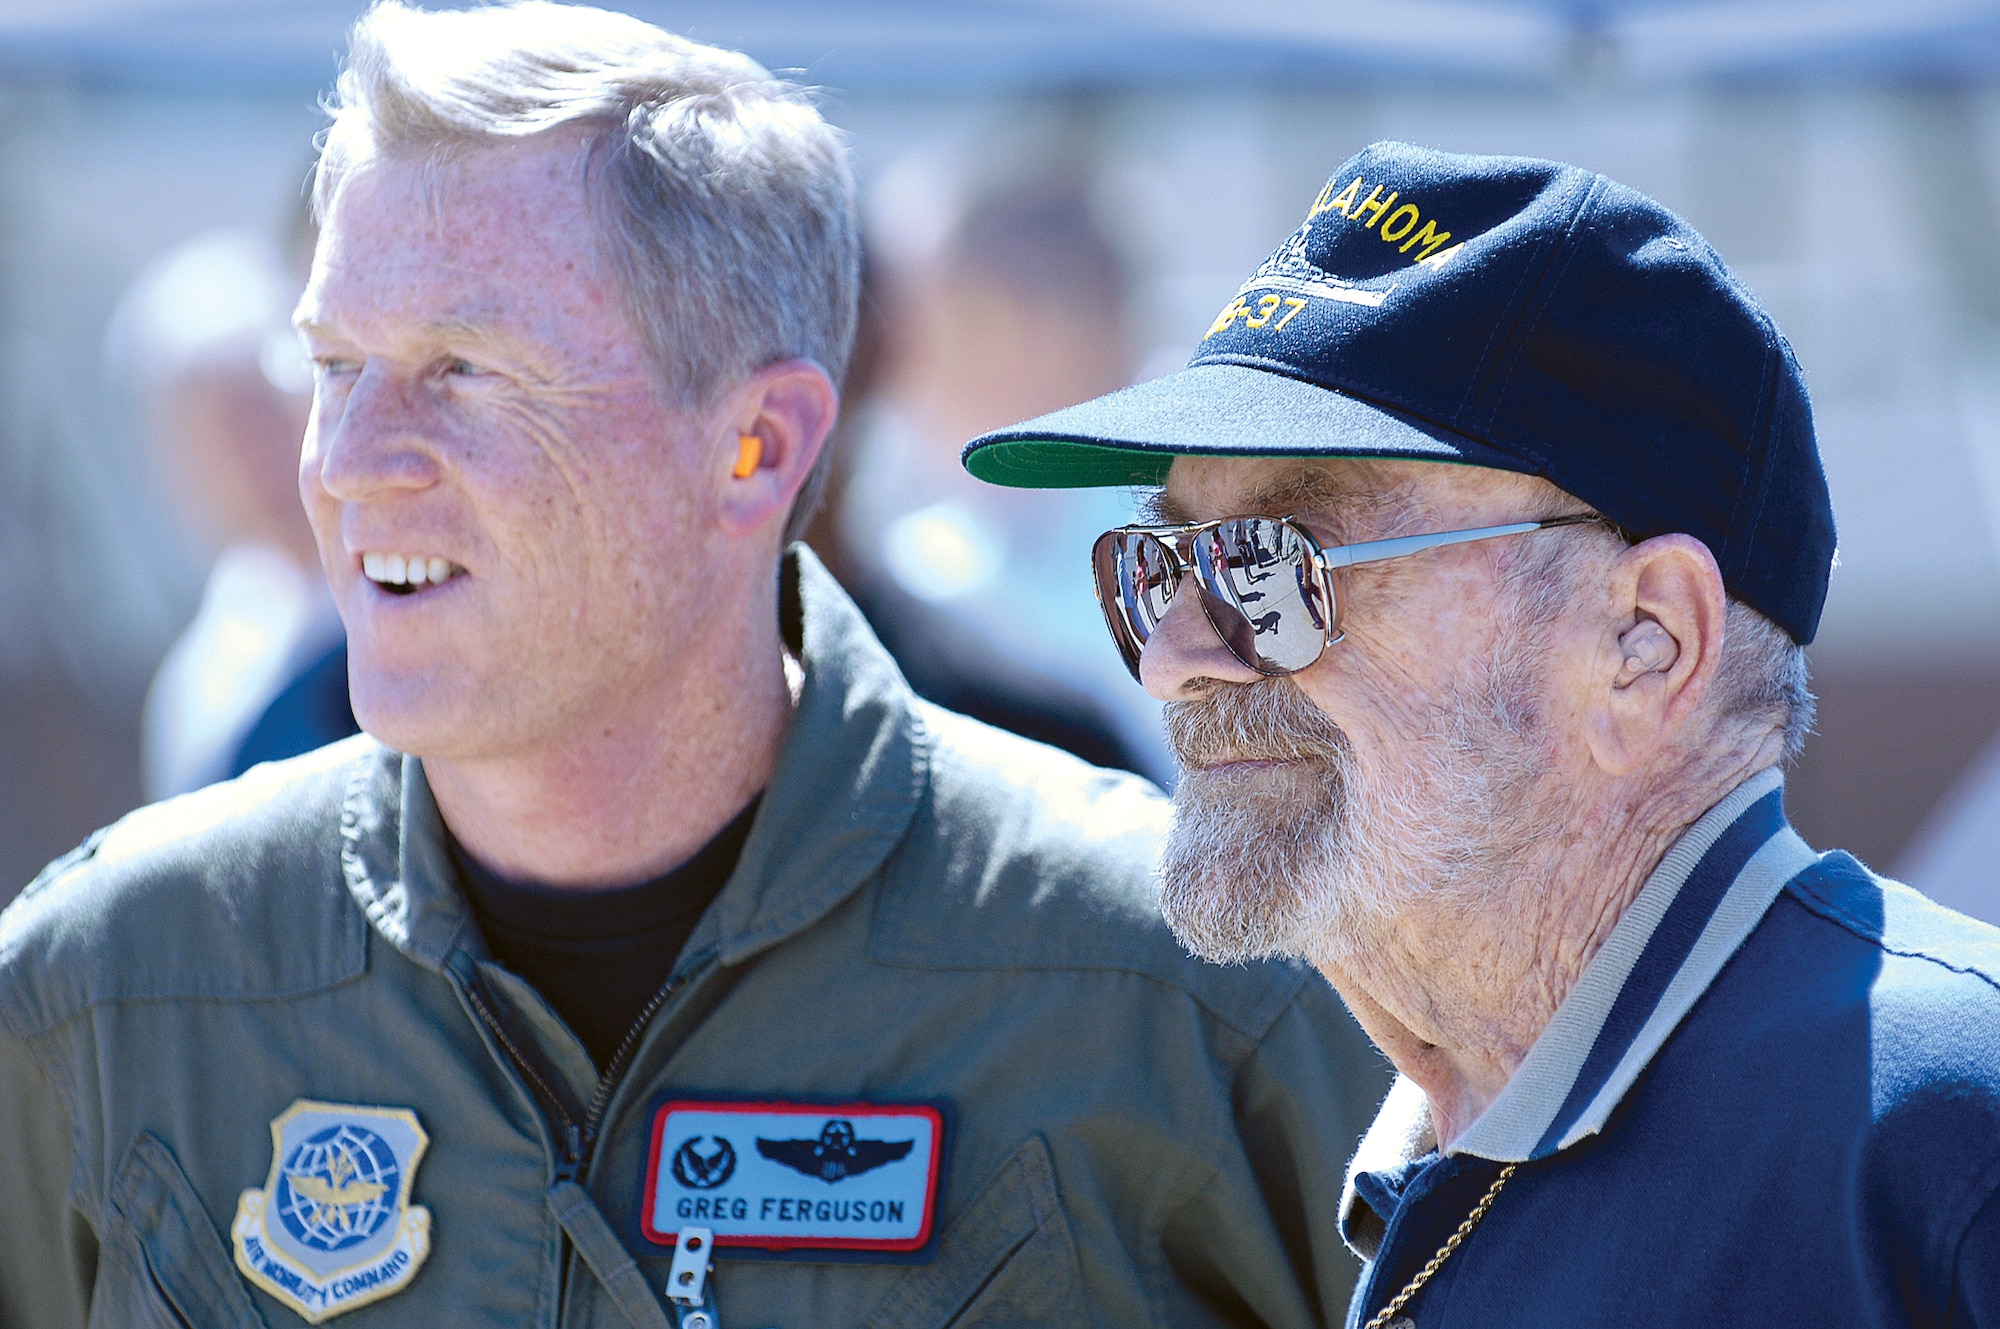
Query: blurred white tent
(876, 46)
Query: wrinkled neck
(1456, 995)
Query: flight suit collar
(846, 788)
(848, 782)
(394, 858)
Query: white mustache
(1269, 720)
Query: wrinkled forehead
(497, 245)
(1344, 491)
(460, 192)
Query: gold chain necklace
(1386, 1317)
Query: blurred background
(1060, 195)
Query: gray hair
(1762, 679)
(726, 200)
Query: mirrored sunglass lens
(1260, 568)
(1145, 582)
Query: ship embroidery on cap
(1288, 277)
(333, 1227)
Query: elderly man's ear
(1660, 650)
(766, 439)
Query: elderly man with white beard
(1490, 531)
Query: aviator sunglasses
(1265, 583)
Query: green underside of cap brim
(1057, 463)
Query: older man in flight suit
(653, 918)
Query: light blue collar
(1705, 897)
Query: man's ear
(766, 440)
(1660, 649)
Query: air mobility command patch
(333, 1228)
(793, 1176)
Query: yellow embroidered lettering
(1322, 203)
(1429, 237)
(1266, 306)
(1237, 309)
(1344, 200)
(1292, 307)
(1379, 208)
(1443, 257)
(1404, 217)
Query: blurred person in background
(203, 340)
(1493, 531)
(653, 918)
(1018, 308)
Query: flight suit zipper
(575, 1142)
(600, 1101)
(576, 1139)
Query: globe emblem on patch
(338, 1187)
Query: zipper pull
(572, 1159)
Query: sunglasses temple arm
(1377, 551)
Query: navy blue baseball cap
(1492, 311)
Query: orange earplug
(749, 452)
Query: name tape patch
(794, 1176)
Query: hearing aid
(1648, 649)
(749, 452)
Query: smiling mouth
(406, 574)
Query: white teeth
(407, 569)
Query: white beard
(1312, 857)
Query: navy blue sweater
(1773, 1100)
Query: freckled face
(485, 413)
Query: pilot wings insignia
(836, 1154)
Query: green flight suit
(926, 910)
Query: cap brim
(1132, 436)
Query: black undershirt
(598, 956)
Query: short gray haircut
(726, 200)
(1762, 679)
